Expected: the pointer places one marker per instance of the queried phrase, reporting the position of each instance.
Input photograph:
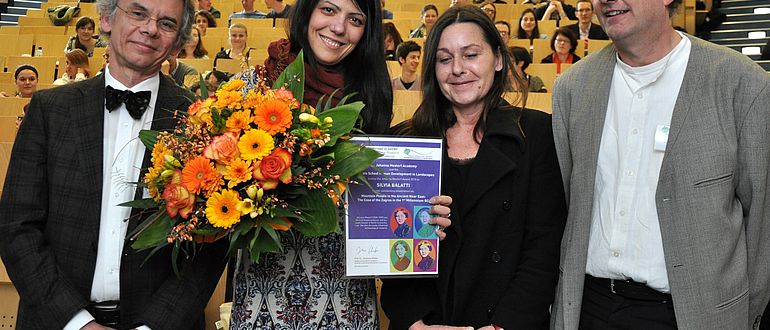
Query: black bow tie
(136, 103)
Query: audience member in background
(428, 18)
(505, 31)
(209, 7)
(555, 10)
(528, 28)
(408, 55)
(386, 14)
(490, 9)
(520, 60)
(238, 38)
(563, 45)
(76, 68)
(26, 79)
(278, 9)
(498, 265)
(204, 20)
(84, 38)
(392, 40)
(194, 48)
(305, 287)
(247, 12)
(584, 29)
(182, 74)
(214, 79)
(484, 2)
(454, 3)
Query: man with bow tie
(76, 158)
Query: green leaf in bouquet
(153, 231)
(240, 233)
(344, 117)
(351, 159)
(204, 88)
(263, 242)
(148, 138)
(143, 204)
(319, 212)
(293, 78)
(267, 228)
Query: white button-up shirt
(122, 162)
(625, 241)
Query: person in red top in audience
(563, 45)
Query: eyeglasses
(562, 41)
(489, 11)
(141, 18)
(584, 10)
(503, 33)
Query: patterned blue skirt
(302, 288)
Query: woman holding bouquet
(304, 286)
(498, 265)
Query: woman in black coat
(498, 265)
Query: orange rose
(274, 167)
(287, 96)
(178, 200)
(223, 147)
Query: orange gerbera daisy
(237, 171)
(255, 144)
(273, 116)
(222, 209)
(240, 120)
(197, 173)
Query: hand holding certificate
(392, 227)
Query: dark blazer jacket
(500, 257)
(549, 58)
(595, 32)
(50, 214)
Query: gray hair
(108, 8)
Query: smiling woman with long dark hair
(304, 286)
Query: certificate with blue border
(386, 227)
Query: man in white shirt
(665, 154)
(76, 158)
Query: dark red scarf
(319, 82)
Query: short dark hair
(434, 116)
(520, 54)
(390, 29)
(520, 33)
(504, 23)
(588, 1)
(427, 7)
(567, 33)
(373, 87)
(407, 47)
(23, 67)
(209, 17)
(84, 21)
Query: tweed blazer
(50, 215)
(712, 196)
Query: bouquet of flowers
(246, 163)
